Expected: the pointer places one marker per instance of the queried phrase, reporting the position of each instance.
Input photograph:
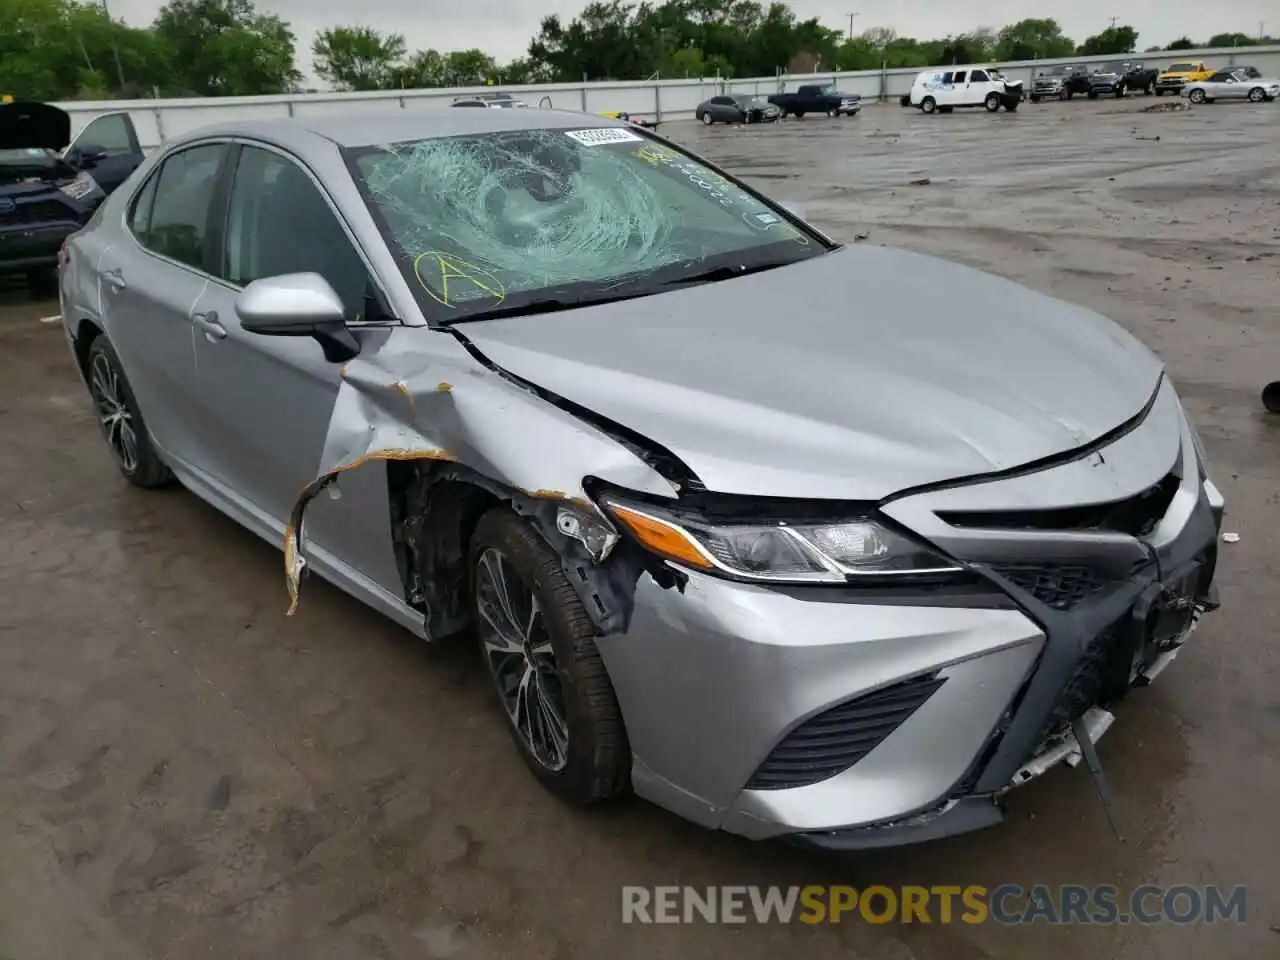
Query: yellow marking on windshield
(654, 155)
(458, 271)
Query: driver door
(108, 149)
(265, 402)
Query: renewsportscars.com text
(1007, 904)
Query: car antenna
(1090, 755)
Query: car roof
(355, 130)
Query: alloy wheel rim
(521, 659)
(113, 412)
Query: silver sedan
(1232, 85)
(793, 539)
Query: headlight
(80, 187)
(777, 551)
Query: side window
(979, 75)
(179, 218)
(279, 222)
(112, 134)
(960, 75)
(722, 101)
(946, 77)
(140, 211)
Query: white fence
(160, 120)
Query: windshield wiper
(725, 273)
(547, 305)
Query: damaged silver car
(796, 540)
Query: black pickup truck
(817, 98)
(1060, 83)
(1121, 76)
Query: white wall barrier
(161, 120)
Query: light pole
(851, 16)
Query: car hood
(852, 375)
(31, 124)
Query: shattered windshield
(486, 223)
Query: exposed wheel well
(85, 334)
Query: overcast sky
(503, 28)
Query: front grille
(1062, 587)
(1137, 515)
(36, 213)
(834, 741)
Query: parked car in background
(736, 108)
(1232, 84)
(817, 98)
(845, 581)
(488, 100)
(49, 186)
(1061, 83)
(1120, 77)
(1179, 75)
(942, 91)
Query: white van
(945, 88)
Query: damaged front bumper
(848, 719)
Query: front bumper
(1165, 85)
(733, 694)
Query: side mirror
(87, 156)
(298, 305)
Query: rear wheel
(538, 644)
(1271, 396)
(928, 105)
(992, 102)
(121, 421)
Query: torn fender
(395, 404)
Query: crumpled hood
(852, 375)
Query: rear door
(265, 402)
(149, 283)
(113, 138)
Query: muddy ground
(184, 772)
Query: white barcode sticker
(592, 138)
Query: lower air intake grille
(834, 741)
(1060, 587)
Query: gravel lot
(184, 772)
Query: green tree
(468, 68)
(1182, 43)
(1033, 40)
(1231, 40)
(227, 48)
(1110, 41)
(357, 58)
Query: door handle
(115, 279)
(208, 322)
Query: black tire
(1159, 92)
(992, 103)
(598, 755)
(1257, 95)
(1197, 96)
(928, 105)
(146, 470)
(1093, 94)
(905, 100)
(1035, 98)
(707, 119)
(1271, 396)
(799, 114)
(1011, 106)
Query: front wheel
(1271, 396)
(706, 119)
(121, 421)
(1197, 96)
(928, 105)
(992, 102)
(538, 644)
(1257, 95)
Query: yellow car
(1180, 74)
